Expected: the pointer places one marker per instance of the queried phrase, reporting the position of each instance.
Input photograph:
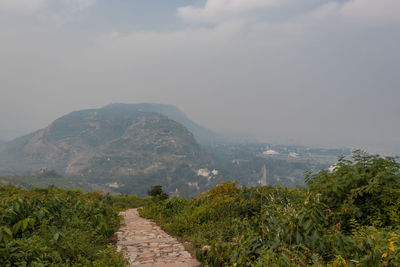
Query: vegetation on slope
(43, 179)
(348, 217)
(106, 143)
(55, 227)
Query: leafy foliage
(157, 191)
(365, 189)
(55, 227)
(344, 218)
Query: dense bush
(345, 218)
(364, 189)
(55, 227)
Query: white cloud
(363, 11)
(368, 12)
(217, 10)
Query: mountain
(202, 134)
(107, 144)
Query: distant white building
(214, 172)
(203, 172)
(332, 168)
(114, 185)
(270, 152)
(174, 193)
(263, 180)
(293, 155)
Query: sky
(324, 73)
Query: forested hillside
(347, 217)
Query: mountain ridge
(202, 134)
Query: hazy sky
(316, 72)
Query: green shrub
(54, 227)
(365, 189)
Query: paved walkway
(146, 245)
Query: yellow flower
(391, 246)
(384, 255)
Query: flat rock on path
(146, 245)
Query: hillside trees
(365, 189)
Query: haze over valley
(320, 73)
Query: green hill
(108, 145)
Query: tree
(157, 191)
(365, 188)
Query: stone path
(146, 245)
